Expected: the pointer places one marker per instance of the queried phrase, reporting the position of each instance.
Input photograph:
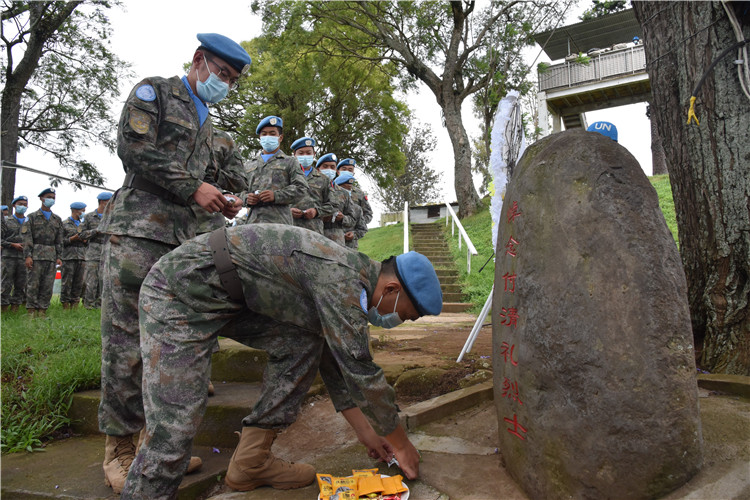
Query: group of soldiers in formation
(286, 279)
(34, 245)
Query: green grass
(381, 242)
(44, 361)
(666, 203)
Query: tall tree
(602, 8)
(443, 45)
(418, 184)
(708, 164)
(347, 105)
(60, 82)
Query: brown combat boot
(4, 308)
(119, 452)
(66, 305)
(14, 308)
(41, 313)
(30, 312)
(195, 462)
(254, 465)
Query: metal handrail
(406, 227)
(470, 250)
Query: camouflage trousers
(336, 234)
(72, 281)
(353, 244)
(312, 224)
(14, 282)
(125, 264)
(176, 342)
(41, 280)
(92, 295)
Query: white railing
(470, 250)
(406, 226)
(600, 67)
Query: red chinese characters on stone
(515, 427)
(510, 390)
(510, 316)
(506, 351)
(513, 212)
(511, 248)
(510, 282)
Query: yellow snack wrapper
(392, 485)
(344, 488)
(369, 484)
(325, 483)
(364, 473)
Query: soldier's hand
(17, 246)
(310, 213)
(233, 207)
(74, 238)
(339, 216)
(349, 236)
(297, 213)
(58, 262)
(267, 196)
(253, 199)
(210, 198)
(406, 454)
(29, 262)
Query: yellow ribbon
(691, 111)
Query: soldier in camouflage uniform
(94, 239)
(275, 180)
(14, 266)
(309, 211)
(358, 196)
(42, 248)
(74, 253)
(342, 212)
(302, 298)
(355, 226)
(165, 142)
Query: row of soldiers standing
(34, 246)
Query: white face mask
(390, 320)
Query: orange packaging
(392, 485)
(344, 488)
(369, 484)
(364, 472)
(325, 483)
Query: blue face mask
(328, 172)
(20, 210)
(390, 320)
(269, 143)
(213, 89)
(305, 160)
(48, 202)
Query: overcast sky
(158, 37)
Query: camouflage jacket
(11, 234)
(93, 237)
(318, 196)
(160, 139)
(72, 250)
(230, 176)
(301, 278)
(360, 198)
(42, 238)
(356, 223)
(281, 174)
(341, 202)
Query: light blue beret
(269, 121)
(605, 128)
(19, 198)
(416, 274)
(104, 195)
(4, 207)
(303, 142)
(47, 191)
(344, 177)
(346, 161)
(225, 48)
(326, 157)
(78, 205)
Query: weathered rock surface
(594, 372)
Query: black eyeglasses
(224, 73)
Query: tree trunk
(708, 167)
(11, 100)
(658, 159)
(466, 195)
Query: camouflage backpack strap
(230, 280)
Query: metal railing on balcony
(602, 66)
(470, 250)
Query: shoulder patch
(146, 93)
(363, 300)
(139, 121)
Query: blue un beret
(346, 161)
(47, 191)
(225, 48)
(326, 157)
(104, 195)
(605, 128)
(4, 207)
(78, 205)
(344, 177)
(19, 198)
(269, 121)
(416, 274)
(303, 142)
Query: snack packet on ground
(370, 484)
(344, 488)
(325, 483)
(392, 485)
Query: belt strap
(230, 280)
(139, 182)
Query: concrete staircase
(429, 240)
